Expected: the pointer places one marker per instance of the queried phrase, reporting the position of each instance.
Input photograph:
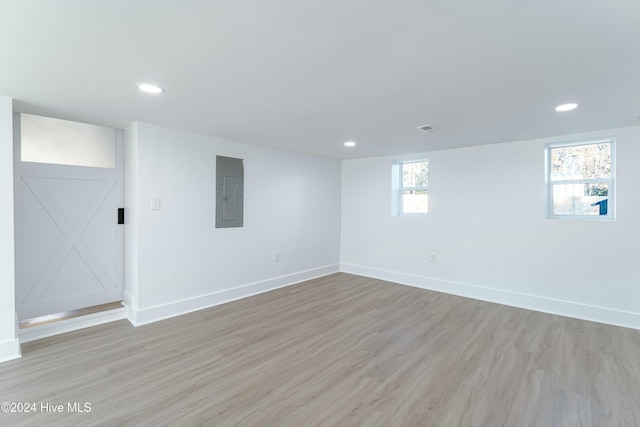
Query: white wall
(488, 229)
(177, 261)
(9, 346)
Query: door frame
(17, 198)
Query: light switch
(155, 203)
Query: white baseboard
(130, 303)
(128, 299)
(73, 324)
(531, 302)
(141, 316)
(10, 350)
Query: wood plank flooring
(339, 350)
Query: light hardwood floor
(339, 350)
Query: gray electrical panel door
(229, 192)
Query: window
(62, 142)
(580, 179)
(410, 188)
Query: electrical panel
(229, 192)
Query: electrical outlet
(155, 204)
(276, 257)
(432, 258)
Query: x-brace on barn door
(67, 239)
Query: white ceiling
(308, 75)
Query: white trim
(142, 316)
(73, 324)
(10, 350)
(130, 303)
(611, 213)
(397, 187)
(530, 302)
(128, 299)
(120, 266)
(579, 141)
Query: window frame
(397, 187)
(611, 198)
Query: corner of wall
(130, 294)
(141, 316)
(10, 350)
(514, 299)
(9, 343)
(130, 302)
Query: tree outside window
(580, 179)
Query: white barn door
(68, 241)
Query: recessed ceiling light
(149, 88)
(566, 107)
(349, 144)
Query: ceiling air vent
(426, 128)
